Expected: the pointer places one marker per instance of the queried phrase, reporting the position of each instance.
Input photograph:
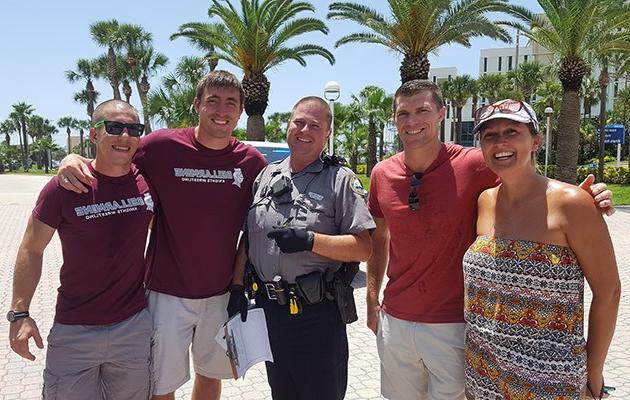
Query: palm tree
(491, 86)
(68, 123)
(45, 146)
(84, 125)
(570, 29)
(108, 34)
(276, 127)
(526, 78)
(123, 73)
(416, 28)
(20, 114)
(85, 71)
(255, 40)
(172, 103)
(88, 99)
(589, 92)
(149, 62)
(458, 90)
(376, 109)
(7, 127)
(351, 132)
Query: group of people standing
(510, 326)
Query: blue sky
(39, 40)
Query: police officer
(308, 215)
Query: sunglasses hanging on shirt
(414, 197)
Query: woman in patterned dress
(524, 275)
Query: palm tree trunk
(112, 73)
(603, 89)
(568, 136)
(25, 141)
(371, 160)
(255, 127)
(381, 137)
(81, 147)
(354, 160)
(89, 88)
(143, 89)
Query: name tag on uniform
(315, 196)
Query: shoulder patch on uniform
(357, 187)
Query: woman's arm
(588, 236)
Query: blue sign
(615, 134)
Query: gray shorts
(99, 362)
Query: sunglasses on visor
(505, 107)
(117, 128)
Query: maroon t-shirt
(204, 196)
(426, 246)
(103, 235)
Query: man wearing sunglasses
(424, 203)
(99, 345)
(203, 177)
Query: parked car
(271, 151)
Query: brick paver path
(21, 379)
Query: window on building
(434, 78)
(485, 64)
(525, 57)
(499, 65)
(509, 63)
(468, 139)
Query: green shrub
(617, 175)
(361, 169)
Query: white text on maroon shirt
(107, 208)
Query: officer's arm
(240, 260)
(350, 247)
(28, 270)
(376, 266)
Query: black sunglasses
(117, 128)
(414, 198)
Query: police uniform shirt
(324, 199)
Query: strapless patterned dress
(524, 309)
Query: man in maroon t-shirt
(203, 178)
(100, 340)
(424, 203)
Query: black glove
(292, 240)
(238, 302)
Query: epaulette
(333, 160)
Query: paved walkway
(21, 379)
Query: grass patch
(33, 171)
(365, 181)
(621, 194)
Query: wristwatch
(13, 315)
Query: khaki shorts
(178, 323)
(99, 361)
(420, 361)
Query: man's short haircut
(101, 109)
(317, 100)
(413, 87)
(221, 79)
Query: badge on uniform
(357, 187)
(315, 196)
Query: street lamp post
(548, 113)
(332, 90)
